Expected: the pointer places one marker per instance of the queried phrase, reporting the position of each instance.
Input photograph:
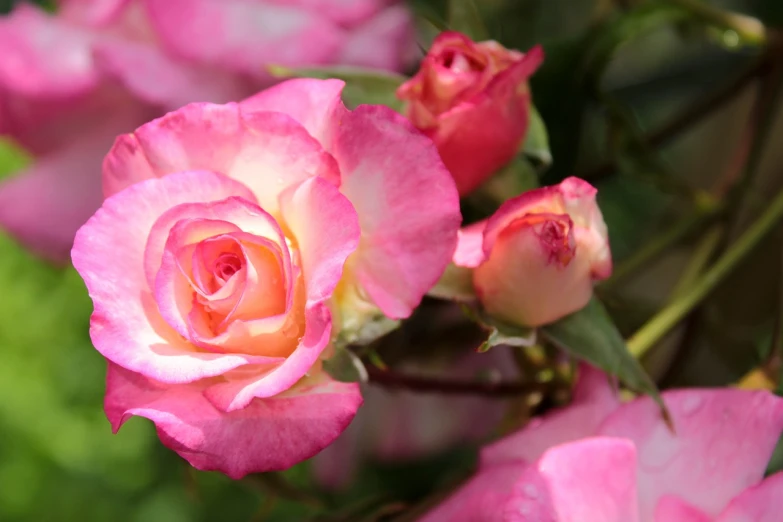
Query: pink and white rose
(535, 260)
(215, 260)
(598, 459)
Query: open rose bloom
(223, 249)
(473, 100)
(70, 82)
(598, 460)
(536, 259)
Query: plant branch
(674, 312)
(394, 380)
(694, 113)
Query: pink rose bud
(473, 100)
(536, 258)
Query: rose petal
(481, 498)
(234, 394)
(383, 42)
(593, 401)
(237, 214)
(125, 326)
(267, 151)
(91, 12)
(269, 435)
(573, 196)
(723, 441)
(470, 245)
(246, 35)
(759, 503)
(672, 508)
(592, 479)
(44, 205)
(407, 204)
(326, 229)
(344, 12)
(43, 56)
(161, 80)
(316, 104)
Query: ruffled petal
(326, 229)
(722, 442)
(316, 104)
(267, 151)
(407, 204)
(268, 435)
(592, 479)
(237, 393)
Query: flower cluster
(247, 241)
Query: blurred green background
(615, 69)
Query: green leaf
(464, 17)
(536, 144)
(515, 178)
(590, 334)
(362, 86)
(345, 366)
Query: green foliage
(464, 17)
(590, 335)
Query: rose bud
(537, 257)
(473, 100)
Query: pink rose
(601, 460)
(71, 82)
(536, 258)
(214, 261)
(473, 100)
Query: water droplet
(691, 404)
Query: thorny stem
(394, 380)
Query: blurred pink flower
(71, 82)
(535, 260)
(214, 263)
(598, 459)
(473, 100)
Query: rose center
(226, 265)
